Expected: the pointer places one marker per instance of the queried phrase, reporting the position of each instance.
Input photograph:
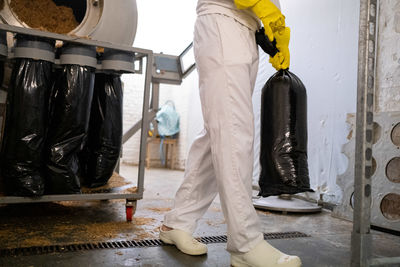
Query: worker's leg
(227, 61)
(198, 189)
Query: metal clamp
(73, 54)
(34, 48)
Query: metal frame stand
(164, 69)
(361, 236)
(143, 124)
(160, 68)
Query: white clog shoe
(183, 241)
(264, 255)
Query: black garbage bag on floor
(25, 131)
(101, 153)
(70, 110)
(283, 155)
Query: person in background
(220, 160)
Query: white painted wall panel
(388, 62)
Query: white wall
(323, 54)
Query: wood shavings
(45, 14)
(143, 221)
(159, 210)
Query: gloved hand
(282, 59)
(274, 24)
(269, 14)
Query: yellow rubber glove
(282, 59)
(274, 25)
(269, 14)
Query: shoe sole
(166, 240)
(235, 262)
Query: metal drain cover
(127, 244)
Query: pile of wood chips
(44, 15)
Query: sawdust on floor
(132, 190)
(143, 221)
(215, 223)
(37, 241)
(159, 210)
(64, 233)
(144, 235)
(215, 209)
(115, 181)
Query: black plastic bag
(72, 95)
(102, 151)
(283, 155)
(25, 131)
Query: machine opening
(78, 7)
(59, 16)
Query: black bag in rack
(26, 124)
(71, 98)
(102, 151)
(283, 155)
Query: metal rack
(139, 56)
(361, 237)
(159, 68)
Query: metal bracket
(171, 69)
(166, 69)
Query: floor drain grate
(127, 244)
(284, 235)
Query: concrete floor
(329, 244)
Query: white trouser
(221, 158)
